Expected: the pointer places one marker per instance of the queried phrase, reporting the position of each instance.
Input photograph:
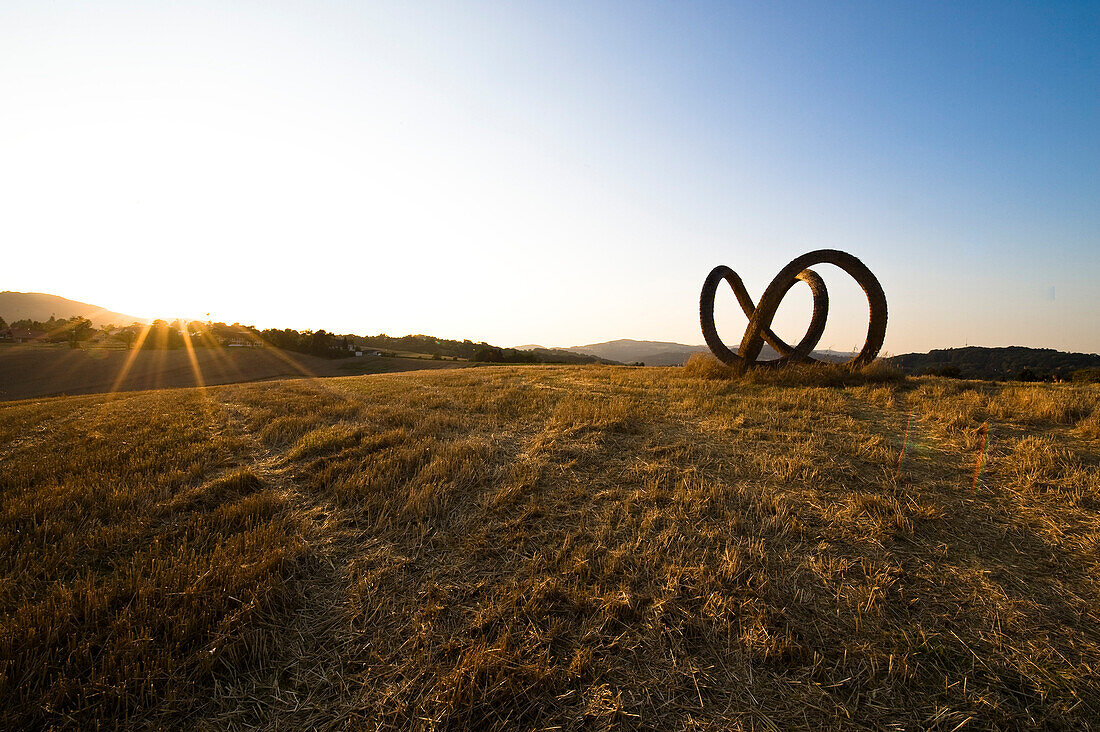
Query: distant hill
(976, 362)
(665, 353)
(40, 306)
(566, 355)
(651, 353)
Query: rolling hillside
(40, 306)
(554, 548)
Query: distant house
(22, 335)
(242, 342)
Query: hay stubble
(581, 547)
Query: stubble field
(554, 547)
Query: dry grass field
(554, 548)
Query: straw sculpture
(760, 315)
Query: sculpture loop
(760, 315)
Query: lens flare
(135, 349)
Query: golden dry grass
(554, 547)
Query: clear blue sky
(557, 173)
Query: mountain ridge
(669, 353)
(41, 305)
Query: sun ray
(316, 383)
(313, 380)
(278, 353)
(134, 350)
(156, 361)
(224, 364)
(206, 399)
(185, 332)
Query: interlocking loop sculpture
(760, 315)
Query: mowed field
(28, 372)
(553, 548)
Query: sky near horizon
(557, 173)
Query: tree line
(170, 335)
(1013, 363)
(466, 349)
(54, 330)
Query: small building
(23, 335)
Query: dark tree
(129, 334)
(1087, 376)
(78, 329)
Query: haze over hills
(651, 353)
(661, 353)
(626, 350)
(40, 306)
